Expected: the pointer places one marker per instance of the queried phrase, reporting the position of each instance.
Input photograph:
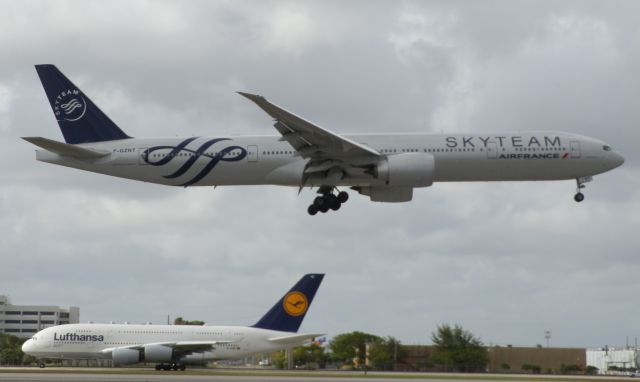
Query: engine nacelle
(158, 353)
(122, 357)
(407, 170)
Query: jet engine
(158, 353)
(406, 170)
(122, 357)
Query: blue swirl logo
(194, 155)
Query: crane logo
(295, 304)
(69, 105)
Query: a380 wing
(308, 139)
(179, 346)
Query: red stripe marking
(565, 155)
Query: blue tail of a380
(80, 120)
(287, 314)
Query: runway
(143, 375)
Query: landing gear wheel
(319, 201)
(158, 367)
(312, 210)
(579, 197)
(166, 367)
(183, 367)
(336, 205)
(175, 367)
(343, 196)
(324, 208)
(41, 365)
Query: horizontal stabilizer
(296, 338)
(66, 149)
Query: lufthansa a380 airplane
(384, 167)
(174, 346)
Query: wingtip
(253, 97)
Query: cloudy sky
(505, 260)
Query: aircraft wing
(295, 338)
(195, 346)
(308, 139)
(180, 346)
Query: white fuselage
(95, 341)
(266, 160)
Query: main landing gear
(327, 200)
(579, 196)
(171, 366)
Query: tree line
(454, 349)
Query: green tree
(458, 350)
(385, 353)
(343, 346)
(11, 350)
(279, 360)
(312, 355)
(182, 321)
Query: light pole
(547, 336)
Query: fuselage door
(141, 154)
(252, 153)
(492, 150)
(575, 149)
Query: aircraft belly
(474, 169)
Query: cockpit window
(606, 148)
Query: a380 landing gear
(171, 366)
(327, 200)
(579, 196)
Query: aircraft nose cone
(618, 160)
(27, 346)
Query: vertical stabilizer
(80, 120)
(287, 314)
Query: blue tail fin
(288, 313)
(79, 119)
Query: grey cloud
(506, 260)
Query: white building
(25, 320)
(604, 359)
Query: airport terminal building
(26, 320)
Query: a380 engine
(150, 353)
(407, 170)
(158, 353)
(122, 357)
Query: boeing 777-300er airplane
(385, 167)
(174, 346)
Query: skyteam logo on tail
(70, 105)
(295, 304)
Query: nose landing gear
(327, 200)
(579, 196)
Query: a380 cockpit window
(606, 148)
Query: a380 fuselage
(265, 160)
